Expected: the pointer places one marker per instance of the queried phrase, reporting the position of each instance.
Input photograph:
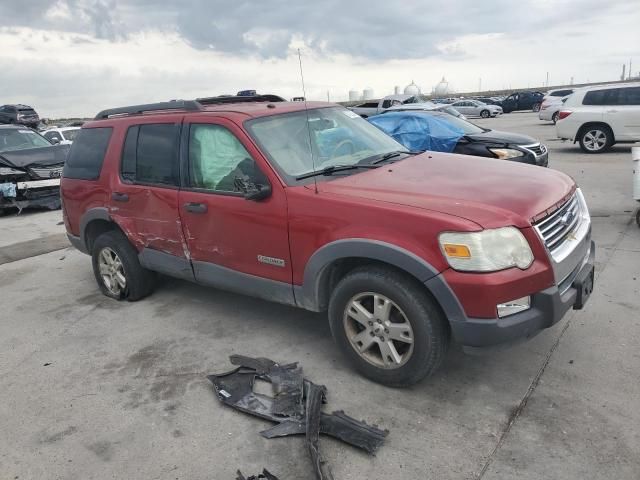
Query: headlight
(486, 251)
(505, 153)
(10, 171)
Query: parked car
(490, 100)
(323, 211)
(477, 109)
(30, 169)
(428, 106)
(418, 130)
(601, 116)
(559, 93)
(522, 101)
(63, 135)
(375, 107)
(550, 108)
(19, 115)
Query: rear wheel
(554, 117)
(595, 139)
(388, 326)
(485, 114)
(536, 107)
(118, 270)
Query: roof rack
(190, 105)
(223, 99)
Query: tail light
(564, 114)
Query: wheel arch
(601, 123)
(94, 223)
(331, 262)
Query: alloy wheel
(112, 271)
(378, 330)
(594, 140)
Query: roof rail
(223, 99)
(149, 107)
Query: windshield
(467, 127)
(20, 139)
(337, 137)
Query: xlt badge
(276, 262)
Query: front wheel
(118, 270)
(485, 114)
(595, 139)
(388, 326)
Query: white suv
(598, 117)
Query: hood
(496, 136)
(55, 154)
(491, 193)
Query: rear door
(144, 197)
(235, 243)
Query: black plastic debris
(265, 474)
(295, 407)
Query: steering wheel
(341, 144)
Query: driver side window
(217, 158)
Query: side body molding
(311, 294)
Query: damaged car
(30, 169)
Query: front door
(144, 199)
(235, 243)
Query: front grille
(54, 171)
(557, 227)
(537, 149)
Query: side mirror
(252, 191)
(55, 141)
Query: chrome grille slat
(54, 171)
(553, 230)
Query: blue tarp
(419, 132)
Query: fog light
(514, 306)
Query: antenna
(306, 111)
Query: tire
(595, 138)
(536, 107)
(554, 117)
(138, 281)
(485, 114)
(638, 217)
(412, 314)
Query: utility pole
(547, 83)
(328, 96)
(480, 84)
(630, 74)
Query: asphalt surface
(91, 388)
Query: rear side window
(602, 97)
(150, 154)
(561, 93)
(87, 154)
(630, 96)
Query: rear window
(561, 93)
(630, 96)
(87, 154)
(150, 154)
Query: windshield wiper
(333, 169)
(390, 155)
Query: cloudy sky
(75, 57)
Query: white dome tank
(354, 95)
(367, 93)
(442, 88)
(412, 89)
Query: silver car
(430, 106)
(475, 108)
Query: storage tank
(367, 93)
(354, 95)
(412, 89)
(443, 88)
(396, 90)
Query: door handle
(194, 207)
(120, 197)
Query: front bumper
(547, 308)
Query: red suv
(312, 206)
